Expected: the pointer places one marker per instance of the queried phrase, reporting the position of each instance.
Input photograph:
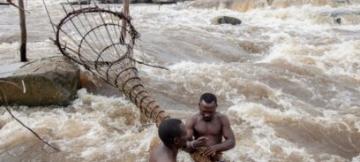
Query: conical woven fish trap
(98, 40)
(92, 37)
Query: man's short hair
(208, 98)
(168, 130)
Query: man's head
(207, 106)
(172, 133)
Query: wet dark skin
(212, 125)
(163, 153)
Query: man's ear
(176, 141)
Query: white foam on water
(263, 143)
(93, 128)
(345, 58)
(97, 128)
(355, 159)
(194, 77)
(263, 137)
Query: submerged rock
(96, 85)
(225, 20)
(80, 2)
(50, 81)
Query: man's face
(207, 110)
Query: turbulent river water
(288, 78)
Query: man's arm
(192, 144)
(228, 134)
(189, 124)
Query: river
(288, 78)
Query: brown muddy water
(288, 78)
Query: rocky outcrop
(50, 81)
(96, 85)
(225, 20)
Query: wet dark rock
(50, 81)
(226, 20)
(342, 16)
(337, 20)
(96, 85)
(80, 2)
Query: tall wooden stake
(23, 32)
(126, 13)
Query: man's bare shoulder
(191, 121)
(195, 117)
(223, 118)
(160, 155)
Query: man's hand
(191, 146)
(200, 142)
(210, 151)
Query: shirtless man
(173, 136)
(212, 125)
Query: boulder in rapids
(226, 20)
(50, 81)
(96, 85)
(80, 2)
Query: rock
(96, 85)
(338, 20)
(226, 20)
(50, 81)
(80, 2)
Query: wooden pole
(126, 13)
(23, 32)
